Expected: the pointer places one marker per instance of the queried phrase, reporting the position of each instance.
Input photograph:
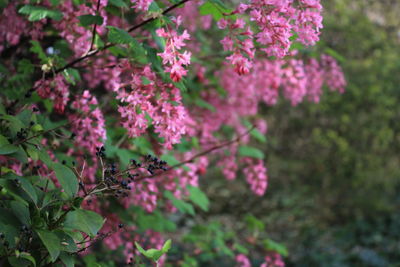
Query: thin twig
(41, 133)
(94, 28)
(202, 153)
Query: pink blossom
(256, 176)
(172, 57)
(141, 5)
(242, 261)
(55, 89)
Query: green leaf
(203, 104)
(8, 149)
(67, 259)
(275, 246)
(39, 12)
(139, 247)
(3, 140)
(67, 242)
(25, 117)
(221, 5)
(67, 179)
(253, 223)
(86, 20)
(29, 189)
(13, 190)
(45, 158)
(335, 55)
(117, 3)
(15, 124)
(209, 8)
(72, 75)
(32, 153)
(198, 197)
(19, 261)
(154, 8)
(38, 50)
(20, 155)
(254, 132)
(154, 221)
(154, 254)
(119, 36)
(21, 212)
(181, 205)
(10, 231)
(258, 135)
(86, 221)
(170, 159)
(28, 257)
(166, 246)
(241, 249)
(51, 242)
(247, 151)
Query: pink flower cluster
(333, 74)
(308, 21)
(242, 261)
(276, 21)
(294, 81)
(151, 101)
(294, 78)
(273, 260)
(141, 5)
(87, 123)
(256, 175)
(55, 89)
(14, 26)
(240, 42)
(172, 57)
(79, 37)
(145, 195)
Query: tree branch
(202, 153)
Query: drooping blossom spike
(153, 98)
(256, 175)
(172, 57)
(334, 75)
(242, 261)
(55, 89)
(87, 125)
(273, 259)
(239, 41)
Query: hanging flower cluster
(55, 89)
(276, 22)
(151, 101)
(172, 58)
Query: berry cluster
(100, 152)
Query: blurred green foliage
(334, 167)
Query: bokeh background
(334, 169)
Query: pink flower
(141, 5)
(153, 98)
(242, 261)
(55, 89)
(171, 55)
(256, 176)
